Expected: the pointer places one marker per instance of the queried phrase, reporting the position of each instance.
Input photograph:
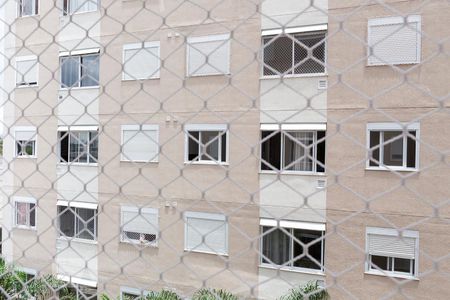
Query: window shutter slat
(209, 57)
(212, 232)
(25, 135)
(392, 246)
(140, 145)
(141, 223)
(141, 63)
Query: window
(127, 293)
(26, 71)
(206, 232)
(394, 40)
(80, 292)
(293, 148)
(77, 220)
(28, 7)
(297, 51)
(293, 245)
(79, 6)
(140, 143)
(80, 70)
(390, 254)
(391, 147)
(25, 212)
(139, 225)
(141, 61)
(25, 141)
(206, 143)
(78, 144)
(208, 55)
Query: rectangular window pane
(70, 71)
(32, 208)
(85, 223)
(277, 55)
(402, 265)
(64, 146)
(210, 145)
(28, 7)
(66, 221)
(270, 150)
(297, 157)
(309, 64)
(314, 250)
(79, 146)
(375, 152)
(379, 262)
(90, 70)
(411, 150)
(193, 147)
(320, 152)
(93, 147)
(276, 246)
(21, 213)
(393, 149)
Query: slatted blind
(212, 232)
(392, 246)
(140, 145)
(145, 221)
(27, 72)
(141, 62)
(208, 55)
(394, 42)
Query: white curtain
(296, 156)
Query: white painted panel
(77, 259)
(80, 183)
(80, 107)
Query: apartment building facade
(169, 144)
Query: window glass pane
(393, 149)
(314, 250)
(379, 262)
(296, 156)
(85, 223)
(28, 7)
(320, 152)
(21, 213)
(270, 150)
(374, 142)
(89, 70)
(194, 137)
(309, 64)
(411, 151)
(224, 147)
(402, 265)
(64, 146)
(93, 147)
(32, 214)
(276, 246)
(66, 221)
(210, 145)
(277, 55)
(79, 146)
(70, 71)
(26, 72)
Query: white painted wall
(78, 259)
(78, 183)
(78, 107)
(292, 13)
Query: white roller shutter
(392, 42)
(141, 62)
(206, 233)
(144, 222)
(26, 70)
(392, 246)
(209, 55)
(25, 135)
(140, 145)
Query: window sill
(293, 269)
(141, 79)
(137, 243)
(293, 173)
(153, 162)
(79, 88)
(206, 252)
(77, 240)
(78, 13)
(27, 228)
(206, 163)
(30, 86)
(33, 157)
(294, 76)
(391, 275)
(28, 16)
(392, 64)
(78, 164)
(396, 169)
(207, 75)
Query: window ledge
(137, 243)
(28, 16)
(396, 169)
(21, 87)
(79, 13)
(79, 88)
(33, 157)
(292, 173)
(22, 227)
(206, 252)
(77, 240)
(206, 163)
(391, 275)
(207, 75)
(153, 162)
(78, 164)
(141, 79)
(294, 270)
(294, 76)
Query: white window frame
(392, 21)
(294, 31)
(35, 9)
(300, 127)
(73, 206)
(145, 127)
(137, 46)
(391, 232)
(143, 210)
(207, 127)
(133, 291)
(78, 54)
(70, 129)
(286, 224)
(25, 128)
(27, 200)
(204, 39)
(25, 58)
(393, 127)
(68, 12)
(209, 217)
